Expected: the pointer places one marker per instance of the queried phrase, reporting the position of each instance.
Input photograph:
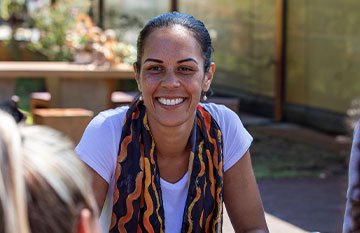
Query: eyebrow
(153, 60)
(160, 61)
(188, 59)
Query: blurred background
(292, 68)
(291, 60)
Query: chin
(172, 122)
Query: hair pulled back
(194, 25)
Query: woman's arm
(242, 198)
(99, 186)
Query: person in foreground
(60, 198)
(13, 213)
(44, 187)
(352, 210)
(168, 162)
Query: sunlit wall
(322, 42)
(323, 53)
(243, 35)
(322, 46)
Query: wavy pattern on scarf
(148, 200)
(129, 203)
(137, 205)
(121, 158)
(198, 189)
(156, 194)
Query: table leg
(52, 86)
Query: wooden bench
(71, 121)
(40, 100)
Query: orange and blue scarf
(137, 201)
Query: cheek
(202, 84)
(148, 84)
(196, 88)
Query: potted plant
(54, 21)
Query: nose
(170, 80)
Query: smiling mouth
(171, 102)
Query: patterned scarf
(137, 203)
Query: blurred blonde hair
(57, 181)
(13, 212)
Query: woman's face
(172, 76)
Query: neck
(171, 142)
(172, 149)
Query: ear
(209, 77)
(87, 223)
(137, 75)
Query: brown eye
(185, 70)
(155, 69)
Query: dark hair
(11, 106)
(194, 25)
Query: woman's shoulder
(102, 135)
(110, 116)
(236, 138)
(114, 112)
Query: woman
(166, 163)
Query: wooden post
(7, 88)
(101, 13)
(174, 5)
(280, 46)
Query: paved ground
(276, 225)
(299, 205)
(295, 205)
(314, 205)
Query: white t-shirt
(99, 146)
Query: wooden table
(70, 85)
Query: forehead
(176, 29)
(172, 40)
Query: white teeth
(171, 101)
